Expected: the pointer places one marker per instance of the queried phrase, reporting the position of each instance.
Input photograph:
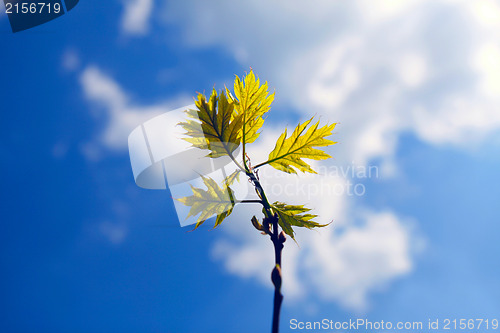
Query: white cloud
(486, 12)
(344, 262)
(122, 115)
(364, 258)
(345, 266)
(369, 66)
(329, 194)
(249, 255)
(136, 16)
(383, 10)
(380, 69)
(412, 69)
(426, 67)
(487, 63)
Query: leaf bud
(256, 224)
(282, 237)
(276, 277)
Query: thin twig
(250, 201)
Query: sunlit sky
(413, 85)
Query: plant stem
(278, 239)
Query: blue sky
(414, 86)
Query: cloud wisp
(120, 113)
(136, 17)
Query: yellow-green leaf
(251, 103)
(232, 177)
(294, 216)
(213, 125)
(289, 152)
(212, 201)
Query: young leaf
(289, 152)
(253, 101)
(256, 224)
(232, 177)
(294, 216)
(219, 130)
(213, 201)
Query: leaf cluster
(225, 122)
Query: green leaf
(289, 152)
(232, 177)
(251, 103)
(213, 201)
(213, 125)
(294, 216)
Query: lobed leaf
(294, 216)
(213, 201)
(232, 177)
(251, 103)
(288, 154)
(213, 125)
